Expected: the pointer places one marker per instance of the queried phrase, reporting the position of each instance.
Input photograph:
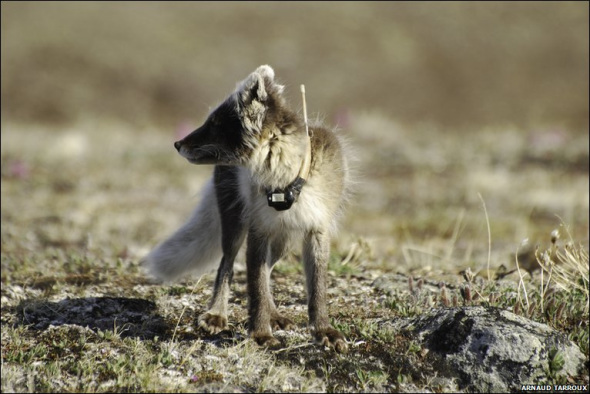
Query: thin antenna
(304, 109)
(304, 170)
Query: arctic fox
(275, 182)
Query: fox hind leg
(316, 251)
(261, 307)
(277, 250)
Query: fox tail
(195, 247)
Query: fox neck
(277, 160)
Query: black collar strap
(282, 199)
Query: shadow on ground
(129, 317)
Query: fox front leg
(215, 319)
(233, 232)
(316, 251)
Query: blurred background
(447, 104)
(455, 64)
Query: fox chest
(309, 212)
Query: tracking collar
(282, 199)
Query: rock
(489, 349)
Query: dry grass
(470, 129)
(79, 212)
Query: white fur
(310, 212)
(195, 247)
(276, 162)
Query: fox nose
(177, 145)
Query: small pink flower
(18, 169)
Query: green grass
(469, 125)
(86, 241)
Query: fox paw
(278, 321)
(267, 341)
(211, 323)
(331, 338)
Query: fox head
(235, 128)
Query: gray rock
(489, 349)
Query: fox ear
(252, 95)
(258, 85)
(253, 88)
(268, 75)
(267, 72)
